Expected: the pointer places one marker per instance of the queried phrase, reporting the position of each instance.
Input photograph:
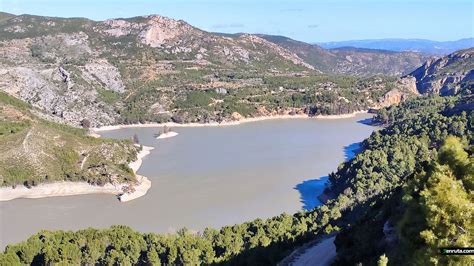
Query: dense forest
(402, 167)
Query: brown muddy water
(206, 176)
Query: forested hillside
(432, 211)
(413, 134)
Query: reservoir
(206, 177)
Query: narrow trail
(25, 141)
(84, 161)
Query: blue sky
(311, 21)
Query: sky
(305, 20)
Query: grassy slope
(34, 151)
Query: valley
(206, 178)
(156, 69)
(229, 148)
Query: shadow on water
(310, 190)
(350, 151)
(368, 121)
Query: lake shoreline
(227, 123)
(167, 135)
(204, 172)
(69, 188)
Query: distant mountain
(400, 45)
(351, 61)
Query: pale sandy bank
(144, 184)
(227, 123)
(167, 135)
(67, 188)
(319, 253)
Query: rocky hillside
(446, 75)
(156, 69)
(352, 61)
(34, 151)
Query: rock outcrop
(446, 75)
(50, 91)
(159, 30)
(106, 74)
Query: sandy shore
(227, 123)
(144, 184)
(167, 135)
(67, 188)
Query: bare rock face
(48, 91)
(66, 77)
(392, 97)
(28, 85)
(106, 74)
(445, 76)
(404, 88)
(120, 27)
(154, 30)
(408, 83)
(158, 30)
(62, 48)
(236, 116)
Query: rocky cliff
(446, 75)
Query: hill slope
(35, 151)
(446, 75)
(352, 61)
(155, 69)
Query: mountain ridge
(156, 69)
(399, 44)
(350, 60)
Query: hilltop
(156, 69)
